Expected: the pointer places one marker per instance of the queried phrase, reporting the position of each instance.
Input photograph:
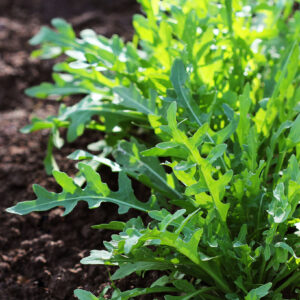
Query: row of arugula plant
(201, 107)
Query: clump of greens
(212, 89)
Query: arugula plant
(211, 89)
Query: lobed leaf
(94, 194)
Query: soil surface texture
(40, 253)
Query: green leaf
(146, 169)
(216, 152)
(175, 220)
(279, 208)
(190, 30)
(286, 247)
(244, 121)
(84, 295)
(82, 155)
(97, 257)
(179, 77)
(81, 113)
(188, 295)
(259, 292)
(129, 268)
(228, 5)
(63, 27)
(38, 124)
(141, 291)
(132, 98)
(166, 149)
(217, 190)
(188, 249)
(287, 72)
(113, 225)
(45, 89)
(224, 134)
(94, 194)
(294, 131)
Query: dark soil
(40, 253)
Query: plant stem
(216, 277)
(259, 210)
(262, 269)
(283, 274)
(288, 282)
(280, 161)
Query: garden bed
(40, 253)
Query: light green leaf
(224, 134)
(244, 122)
(63, 28)
(84, 295)
(216, 152)
(113, 225)
(38, 124)
(259, 292)
(217, 190)
(294, 135)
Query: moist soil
(40, 253)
